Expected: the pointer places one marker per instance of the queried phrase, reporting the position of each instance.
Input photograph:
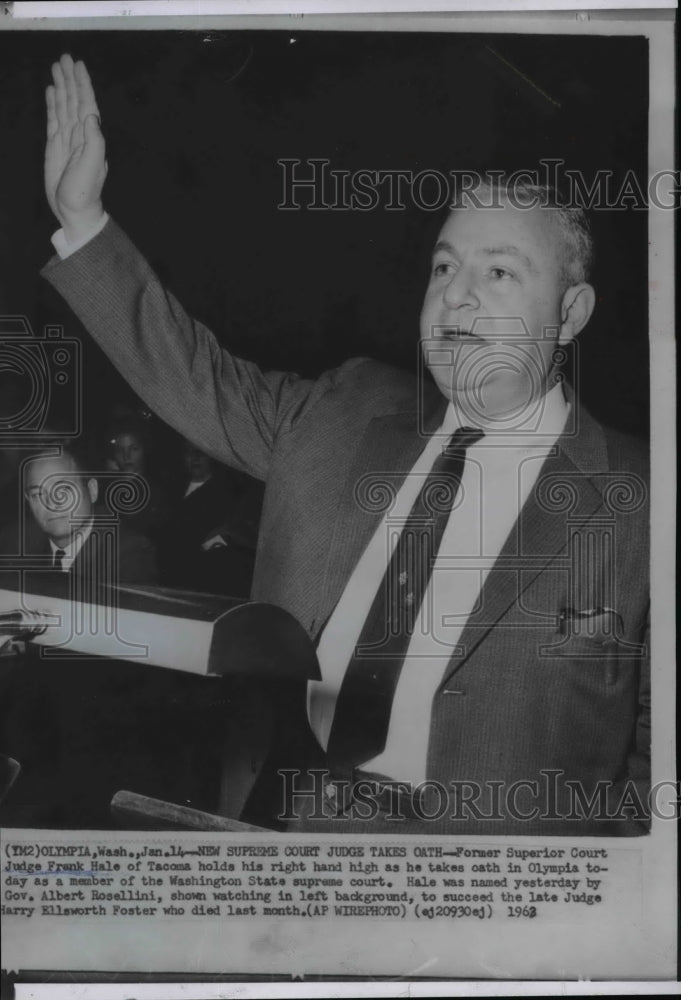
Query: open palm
(75, 164)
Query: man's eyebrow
(509, 250)
(444, 245)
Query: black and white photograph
(335, 358)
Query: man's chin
(60, 536)
(488, 402)
(477, 397)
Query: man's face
(197, 464)
(491, 317)
(58, 495)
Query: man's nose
(459, 292)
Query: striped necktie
(360, 725)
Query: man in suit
(210, 538)
(83, 729)
(62, 502)
(498, 666)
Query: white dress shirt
(194, 485)
(65, 249)
(498, 476)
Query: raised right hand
(75, 164)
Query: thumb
(91, 127)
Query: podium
(250, 663)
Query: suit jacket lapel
(565, 491)
(385, 455)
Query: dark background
(196, 121)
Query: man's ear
(93, 489)
(575, 310)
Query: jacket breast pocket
(607, 661)
(594, 638)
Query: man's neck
(545, 414)
(71, 544)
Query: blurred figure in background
(211, 534)
(129, 449)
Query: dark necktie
(360, 723)
(58, 559)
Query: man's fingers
(87, 102)
(77, 137)
(66, 63)
(59, 95)
(52, 125)
(95, 150)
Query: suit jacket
(136, 557)
(150, 521)
(136, 553)
(537, 691)
(227, 504)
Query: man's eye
(442, 267)
(498, 273)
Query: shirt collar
(539, 425)
(195, 484)
(78, 540)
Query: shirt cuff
(65, 249)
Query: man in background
(62, 498)
(211, 534)
(84, 728)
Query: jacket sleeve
(226, 406)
